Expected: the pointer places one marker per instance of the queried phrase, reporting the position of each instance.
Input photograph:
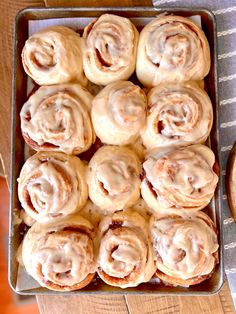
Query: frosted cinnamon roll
(61, 256)
(185, 248)
(110, 49)
(113, 178)
(178, 115)
(181, 179)
(119, 113)
(172, 49)
(125, 254)
(52, 185)
(53, 56)
(56, 118)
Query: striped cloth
(225, 13)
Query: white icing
(118, 113)
(172, 49)
(111, 38)
(180, 114)
(109, 52)
(125, 258)
(182, 178)
(59, 116)
(55, 185)
(125, 250)
(64, 261)
(186, 246)
(113, 178)
(53, 56)
(54, 255)
(173, 46)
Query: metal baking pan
(19, 96)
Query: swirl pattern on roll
(110, 49)
(178, 115)
(52, 185)
(53, 56)
(125, 254)
(185, 247)
(57, 118)
(113, 178)
(172, 49)
(61, 256)
(181, 179)
(119, 112)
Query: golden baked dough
(61, 255)
(185, 247)
(178, 115)
(56, 118)
(119, 113)
(110, 48)
(172, 49)
(125, 255)
(52, 185)
(53, 56)
(181, 179)
(113, 178)
(92, 212)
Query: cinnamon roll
(181, 179)
(110, 49)
(52, 185)
(113, 178)
(172, 49)
(178, 115)
(56, 118)
(61, 256)
(119, 112)
(125, 254)
(53, 56)
(185, 248)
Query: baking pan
(19, 96)
(230, 181)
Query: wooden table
(219, 303)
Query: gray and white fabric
(225, 13)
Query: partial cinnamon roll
(53, 56)
(181, 179)
(119, 113)
(52, 185)
(125, 254)
(110, 49)
(185, 248)
(113, 178)
(61, 256)
(172, 49)
(56, 118)
(178, 115)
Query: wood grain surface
(95, 3)
(9, 303)
(217, 304)
(8, 10)
(106, 304)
